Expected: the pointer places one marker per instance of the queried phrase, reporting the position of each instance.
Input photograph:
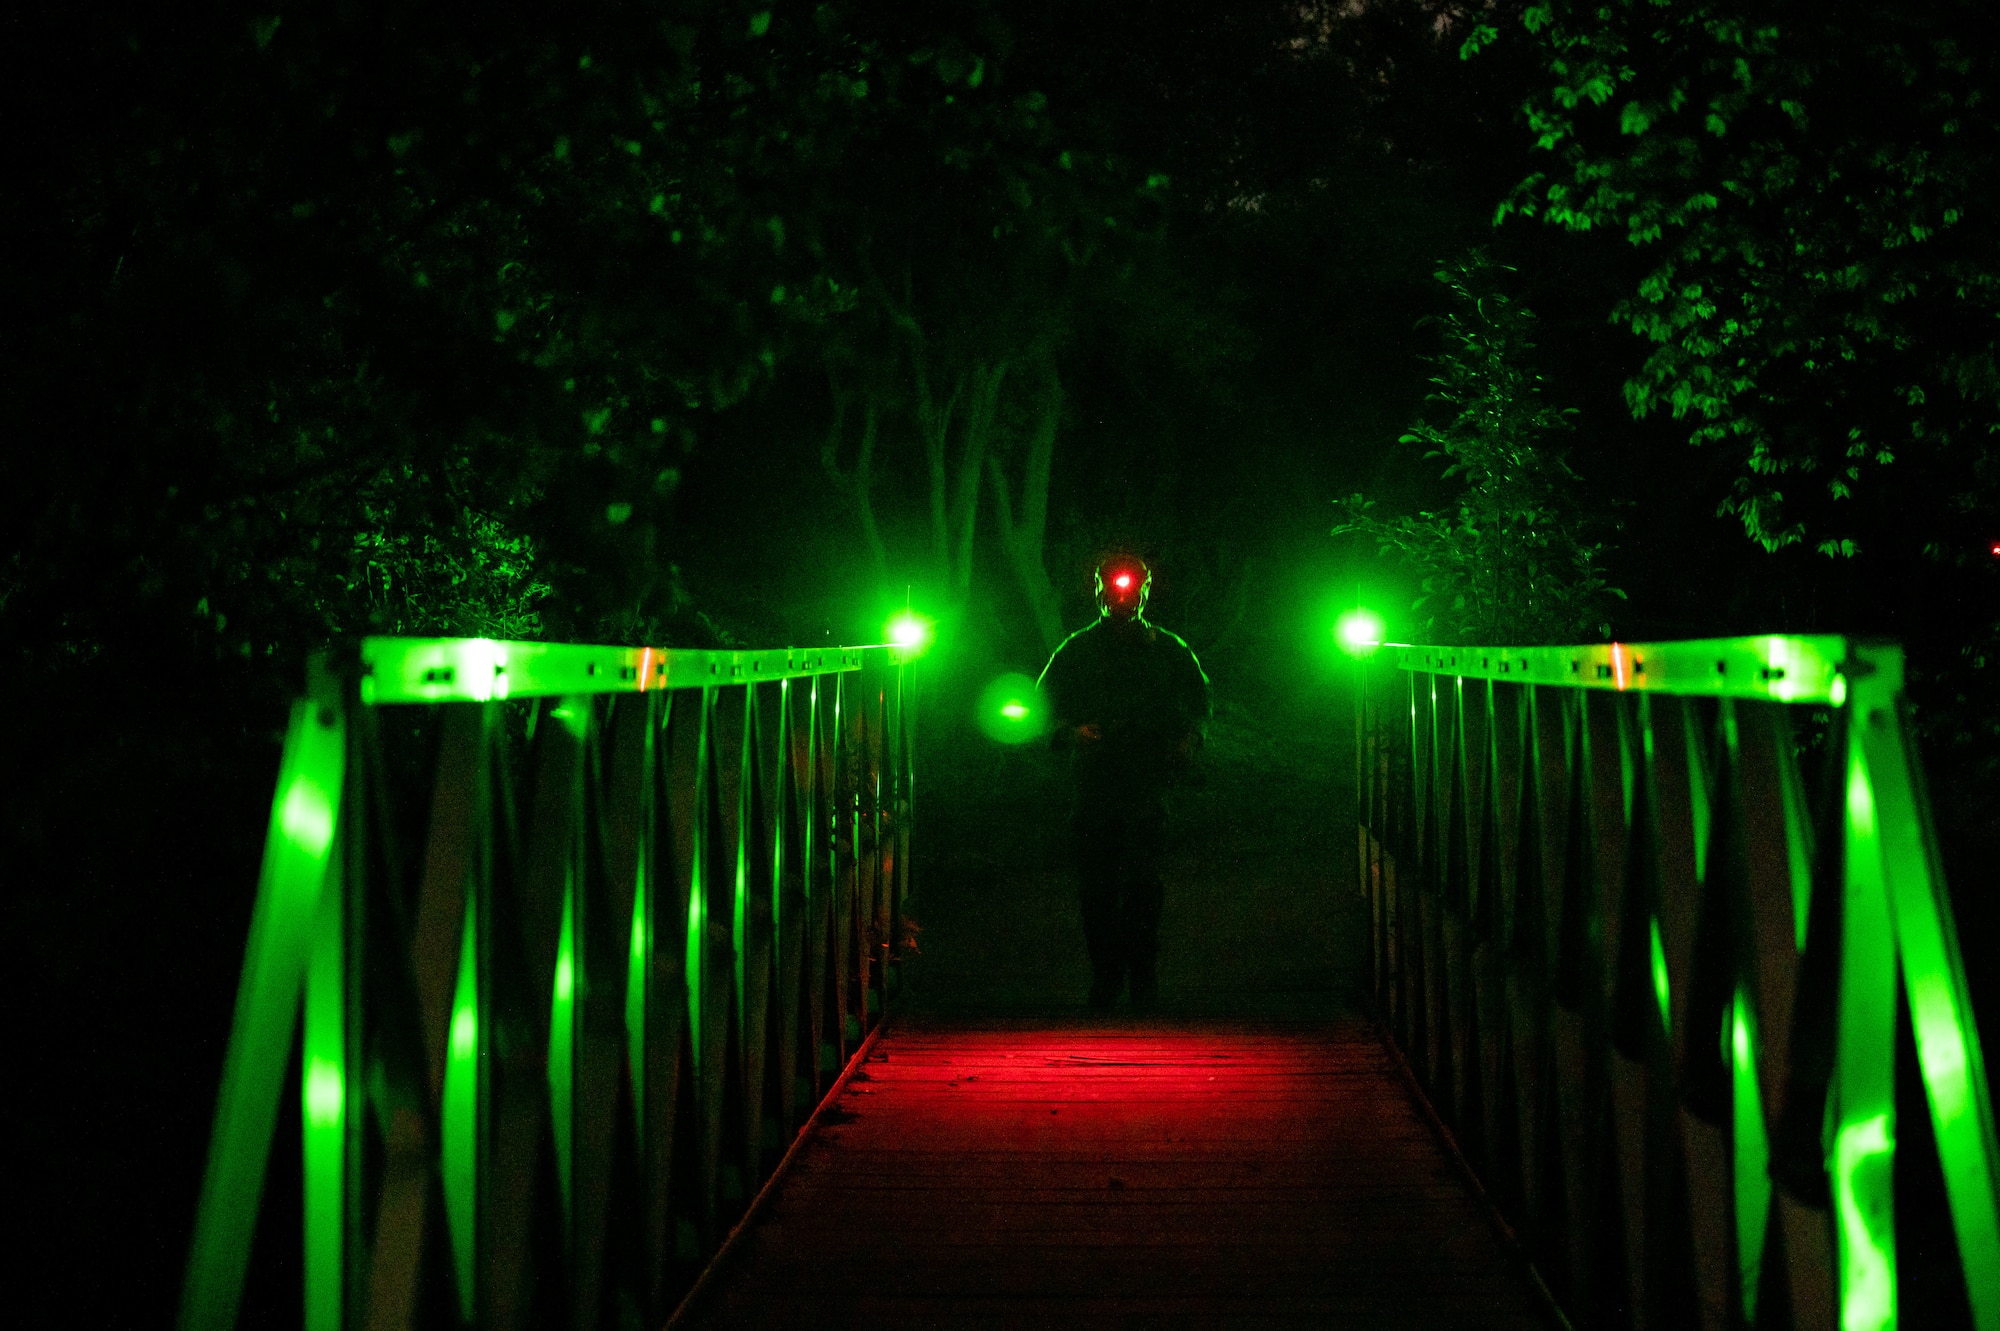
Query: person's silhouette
(1129, 701)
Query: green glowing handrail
(1918, 930)
(1775, 667)
(305, 822)
(1888, 901)
(479, 669)
(487, 1012)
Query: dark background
(330, 318)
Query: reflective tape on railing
(1776, 667)
(478, 669)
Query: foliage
(1813, 184)
(945, 367)
(1507, 563)
(336, 328)
(463, 573)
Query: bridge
(579, 989)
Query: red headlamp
(1122, 584)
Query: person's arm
(1057, 685)
(1194, 704)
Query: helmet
(1123, 583)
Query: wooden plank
(1218, 1175)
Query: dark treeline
(718, 323)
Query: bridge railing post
(1650, 980)
(549, 1052)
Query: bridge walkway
(1248, 1157)
(1014, 1173)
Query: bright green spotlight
(1359, 632)
(1011, 710)
(910, 631)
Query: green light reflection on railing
(1896, 926)
(1750, 1149)
(1863, 1159)
(562, 1050)
(399, 670)
(299, 948)
(283, 925)
(306, 815)
(1864, 1135)
(698, 886)
(325, 1094)
(1941, 1018)
(1775, 667)
(637, 982)
(460, 1114)
(1661, 989)
(323, 1088)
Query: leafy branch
(1507, 562)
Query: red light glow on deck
(1084, 1087)
(1024, 1172)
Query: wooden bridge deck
(1052, 1174)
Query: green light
(1941, 1015)
(1860, 805)
(1359, 632)
(1660, 989)
(460, 1115)
(1864, 1140)
(698, 888)
(323, 1097)
(1011, 711)
(697, 922)
(910, 631)
(294, 934)
(307, 816)
(739, 905)
(1774, 668)
(1750, 1152)
(562, 1047)
(635, 998)
(325, 1094)
(1863, 1156)
(482, 669)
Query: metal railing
(567, 992)
(1644, 973)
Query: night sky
(725, 323)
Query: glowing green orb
(910, 631)
(1011, 710)
(1359, 632)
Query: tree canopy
(1511, 560)
(413, 326)
(1812, 184)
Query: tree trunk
(864, 503)
(1024, 540)
(985, 382)
(934, 422)
(857, 485)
